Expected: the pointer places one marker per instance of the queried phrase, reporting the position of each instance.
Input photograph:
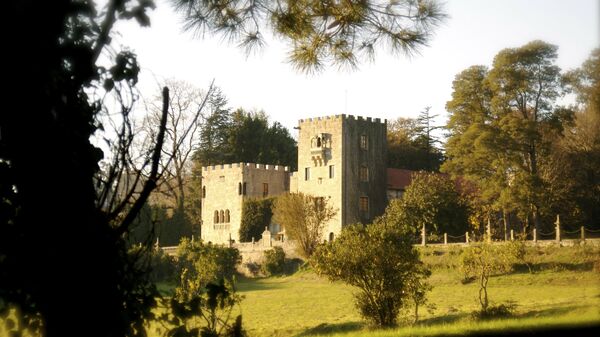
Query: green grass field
(563, 290)
(305, 305)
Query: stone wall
(226, 186)
(330, 158)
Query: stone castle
(342, 158)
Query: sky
(390, 87)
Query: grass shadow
(255, 284)
(548, 312)
(446, 319)
(552, 266)
(324, 329)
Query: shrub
(160, 265)
(381, 261)
(256, 215)
(199, 264)
(480, 261)
(274, 261)
(495, 311)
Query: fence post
(582, 233)
(535, 235)
(423, 238)
(157, 244)
(489, 231)
(467, 237)
(445, 238)
(557, 228)
(512, 235)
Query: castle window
(364, 204)
(364, 173)
(330, 236)
(239, 188)
(364, 142)
(331, 171)
(216, 219)
(265, 189)
(227, 219)
(318, 141)
(221, 216)
(319, 203)
(307, 173)
(203, 191)
(244, 188)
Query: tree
(406, 149)
(185, 115)
(214, 132)
(430, 202)
(256, 215)
(427, 141)
(500, 125)
(245, 137)
(483, 260)
(382, 263)
(303, 218)
(50, 220)
(575, 159)
(319, 32)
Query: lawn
(562, 290)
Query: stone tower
(224, 187)
(343, 159)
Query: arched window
(203, 191)
(216, 220)
(227, 220)
(222, 216)
(239, 188)
(331, 237)
(318, 141)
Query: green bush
(274, 262)
(161, 266)
(256, 215)
(495, 311)
(382, 263)
(199, 264)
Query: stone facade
(224, 188)
(341, 158)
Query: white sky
(391, 87)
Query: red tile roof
(398, 179)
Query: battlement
(251, 166)
(343, 117)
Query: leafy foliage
(319, 32)
(244, 137)
(58, 212)
(274, 261)
(483, 260)
(199, 264)
(382, 263)
(303, 217)
(432, 202)
(256, 215)
(206, 314)
(501, 124)
(161, 266)
(411, 144)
